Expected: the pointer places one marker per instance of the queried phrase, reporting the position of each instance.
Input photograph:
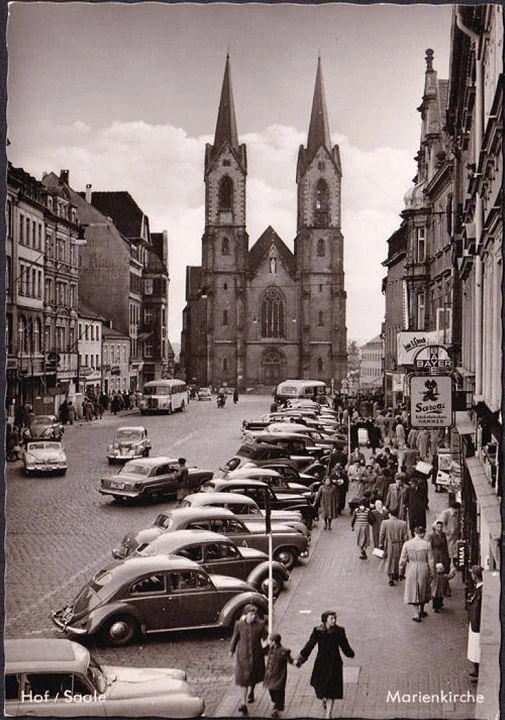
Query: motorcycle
(221, 401)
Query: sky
(125, 96)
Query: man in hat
(248, 633)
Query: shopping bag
(378, 552)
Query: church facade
(256, 316)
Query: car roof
(208, 499)
(200, 512)
(181, 538)
(139, 428)
(43, 417)
(233, 482)
(44, 654)
(152, 461)
(253, 470)
(280, 436)
(130, 568)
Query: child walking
(440, 586)
(276, 673)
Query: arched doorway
(273, 367)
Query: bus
(164, 396)
(300, 390)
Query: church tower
(225, 245)
(319, 250)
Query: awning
(464, 424)
(486, 496)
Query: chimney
(89, 193)
(64, 177)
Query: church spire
(319, 133)
(226, 125)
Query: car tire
(28, 473)
(277, 582)
(286, 556)
(146, 452)
(120, 630)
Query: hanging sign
(433, 357)
(431, 401)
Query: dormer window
(226, 194)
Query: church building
(256, 316)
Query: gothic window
(320, 318)
(322, 203)
(226, 193)
(225, 364)
(225, 246)
(225, 317)
(273, 314)
(319, 365)
(321, 248)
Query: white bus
(164, 396)
(300, 390)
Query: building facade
(256, 316)
(90, 352)
(371, 374)
(116, 361)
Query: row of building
(444, 287)
(86, 292)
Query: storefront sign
(431, 401)
(433, 357)
(409, 343)
(398, 382)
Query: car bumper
(304, 555)
(42, 467)
(115, 492)
(57, 618)
(123, 457)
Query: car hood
(249, 553)
(136, 682)
(224, 582)
(45, 454)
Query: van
(299, 390)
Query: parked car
(44, 427)
(129, 443)
(288, 470)
(295, 445)
(218, 554)
(269, 476)
(149, 478)
(288, 544)
(145, 595)
(44, 456)
(245, 508)
(257, 490)
(251, 453)
(72, 683)
(205, 393)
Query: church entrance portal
(273, 367)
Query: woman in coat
(248, 633)
(327, 673)
(417, 562)
(327, 501)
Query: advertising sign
(431, 401)
(408, 343)
(433, 357)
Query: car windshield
(158, 390)
(43, 446)
(128, 435)
(43, 420)
(164, 520)
(133, 468)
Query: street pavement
(59, 531)
(392, 653)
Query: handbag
(378, 552)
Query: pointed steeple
(319, 133)
(226, 125)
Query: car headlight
(136, 486)
(61, 457)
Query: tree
(353, 357)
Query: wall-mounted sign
(433, 357)
(409, 343)
(431, 401)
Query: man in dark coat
(416, 505)
(438, 541)
(182, 479)
(327, 673)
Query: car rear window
(164, 520)
(135, 469)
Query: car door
(224, 558)
(192, 599)
(148, 594)
(57, 694)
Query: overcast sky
(126, 96)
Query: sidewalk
(392, 653)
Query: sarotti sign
(409, 343)
(431, 401)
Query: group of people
(94, 405)
(247, 644)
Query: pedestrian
(451, 518)
(327, 502)
(182, 480)
(416, 505)
(360, 520)
(63, 412)
(235, 396)
(393, 534)
(327, 673)
(474, 608)
(276, 672)
(438, 541)
(341, 481)
(440, 586)
(116, 403)
(248, 633)
(396, 498)
(418, 567)
(70, 412)
(377, 516)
